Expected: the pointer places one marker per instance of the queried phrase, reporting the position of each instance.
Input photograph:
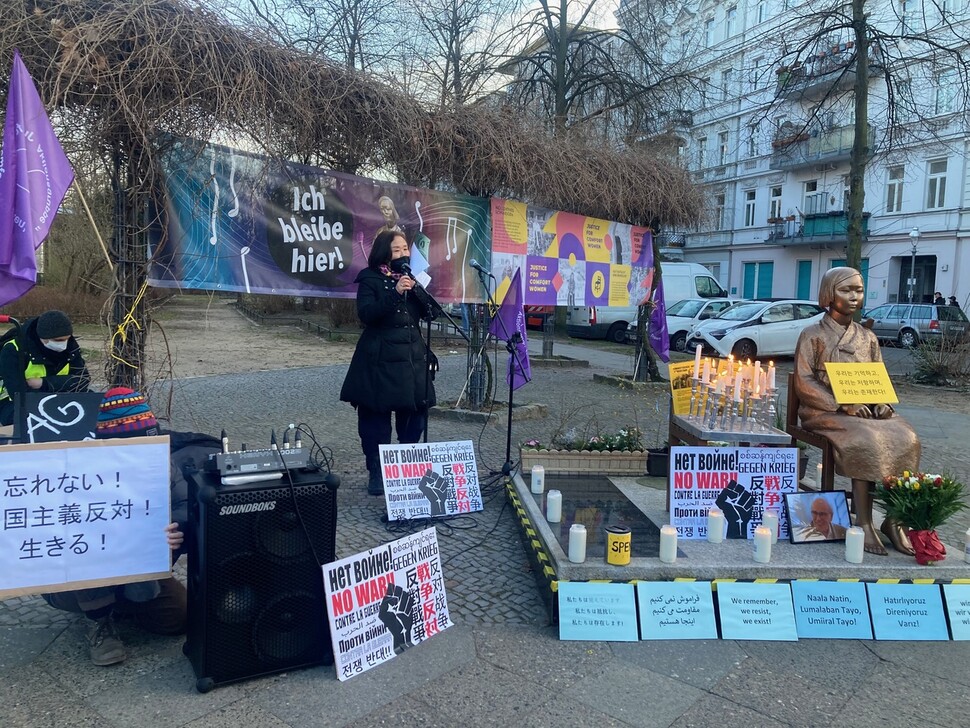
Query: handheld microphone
(480, 268)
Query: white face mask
(56, 345)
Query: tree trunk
(860, 143)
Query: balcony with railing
(828, 71)
(810, 149)
(821, 228)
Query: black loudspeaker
(255, 589)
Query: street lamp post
(914, 239)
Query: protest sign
(861, 383)
(56, 416)
(958, 609)
(385, 600)
(743, 482)
(907, 612)
(83, 514)
(596, 611)
(430, 479)
(831, 610)
(676, 610)
(756, 612)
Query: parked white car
(683, 316)
(751, 329)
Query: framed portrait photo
(817, 517)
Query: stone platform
(732, 559)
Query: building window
(904, 20)
(774, 203)
(702, 152)
(762, 11)
(894, 189)
(944, 91)
(709, 33)
(814, 200)
(719, 212)
(705, 86)
(757, 73)
(727, 78)
(749, 202)
(936, 185)
(732, 21)
(904, 101)
(722, 147)
(684, 40)
(753, 139)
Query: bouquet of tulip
(921, 502)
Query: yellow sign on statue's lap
(861, 383)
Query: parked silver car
(911, 324)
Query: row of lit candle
(751, 373)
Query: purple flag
(34, 177)
(509, 321)
(659, 336)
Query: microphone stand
(433, 310)
(510, 346)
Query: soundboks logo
(247, 508)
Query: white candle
(855, 542)
(771, 375)
(668, 544)
(538, 479)
(715, 526)
(770, 521)
(554, 506)
(762, 545)
(697, 361)
(818, 476)
(756, 376)
(706, 374)
(577, 543)
(737, 388)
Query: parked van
(681, 280)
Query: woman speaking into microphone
(392, 368)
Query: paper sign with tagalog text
(831, 610)
(861, 383)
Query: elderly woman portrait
(870, 441)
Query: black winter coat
(14, 361)
(390, 365)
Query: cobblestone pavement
(502, 664)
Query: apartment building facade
(768, 134)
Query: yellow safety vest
(33, 371)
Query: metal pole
(912, 272)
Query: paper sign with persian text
(598, 612)
(430, 479)
(385, 600)
(742, 482)
(752, 611)
(83, 514)
(861, 383)
(676, 610)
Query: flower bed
(585, 462)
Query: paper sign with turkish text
(742, 482)
(430, 479)
(385, 600)
(80, 514)
(861, 383)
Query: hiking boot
(105, 646)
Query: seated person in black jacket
(44, 357)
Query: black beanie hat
(53, 325)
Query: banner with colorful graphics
(569, 259)
(250, 224)
(385, 600)
(742, 482)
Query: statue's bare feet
(898, 536)
(873, 544)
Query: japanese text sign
(83, 514)
(861, 383)
(595, 611)
(385, 600)
(430, 479)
